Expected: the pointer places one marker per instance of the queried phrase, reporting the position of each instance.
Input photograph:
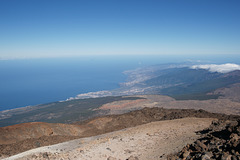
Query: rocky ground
(221, 141)
(30, 137)
(149, 141)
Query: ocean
(37, 81)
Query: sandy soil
(150, 141)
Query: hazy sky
(56, 28)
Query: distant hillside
(200, 89)
(58, 112)
(183, 82)
(181, 76)
(231, 92)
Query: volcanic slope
(33, 135)
(151, 141)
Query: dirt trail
(154, 140)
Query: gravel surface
(154, 140)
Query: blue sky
(66, 28)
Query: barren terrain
(231, 92)
(151, 141)
(33, 135)
(222, 105)
(142, 126)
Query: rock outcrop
(221, 141)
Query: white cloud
(222, 68)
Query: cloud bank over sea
(222, 68)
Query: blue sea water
(37, 81)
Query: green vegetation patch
(63, 112)
(200, 96)
(198, 91)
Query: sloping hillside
(33, 135)
(150, 141)
(181, 82)
(231, 92)
(58, 112)
(200, 90)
